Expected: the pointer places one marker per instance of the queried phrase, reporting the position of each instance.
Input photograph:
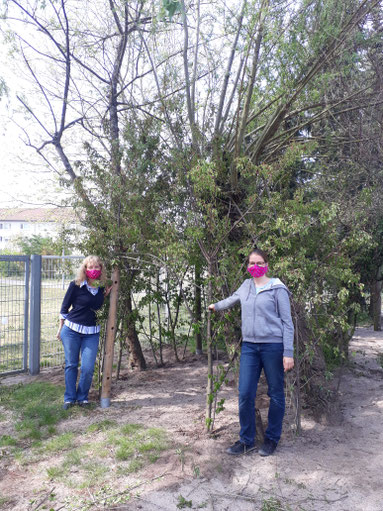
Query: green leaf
(171, 7)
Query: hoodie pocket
(262, 328)
(247, 317)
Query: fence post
(35, 317)
(26, 313)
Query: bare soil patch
(334, 466)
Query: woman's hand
(61, 324)
(108, 289)
(211, 307)
(288, 363)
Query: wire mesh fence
(16, 316)
(56, 273)
(14, 298)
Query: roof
(37, 214)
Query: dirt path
(333, 468)
(329, 467)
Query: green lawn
(91, 453)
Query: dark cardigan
(83, 303)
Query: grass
(133, 441)
(59, 443)
(90, 457)
(37, 408)
(94, 472)
(56, 472)
(6, 441)
(132, 445)
(272, 504)
(106, 497)
(5, 500)
(95, 460)
(101, 426)
(183, 503)
(380, 359)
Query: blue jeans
(254, 357)
(74, 343)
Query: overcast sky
(25, 180)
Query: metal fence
(14, 306)
(31, 292)
(56, 273)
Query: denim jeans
(74, 343)
(254, 357)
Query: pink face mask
(257, 271)
(93, 274)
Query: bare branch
(218, 119)
(161, 97)
(250, 86)
(33, 115)
(327, 53)
(190, 105)
(195, 62)
(115, 16)
(40, 87)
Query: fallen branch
(44, 499)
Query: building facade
(45, 222)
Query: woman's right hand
(61, 324)
(211, 307)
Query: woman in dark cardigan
(78, 330)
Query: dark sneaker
(268, 447)
(84, 404)
(239, 448)
(67, 405)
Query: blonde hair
(81, 272)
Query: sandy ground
(333, 466)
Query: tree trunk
(136, 357)
(198, 308)
(376, 304)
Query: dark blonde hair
(81, 272)
(260, 252)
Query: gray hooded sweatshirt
(266, 316)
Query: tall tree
(237, 94)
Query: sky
(24, 178)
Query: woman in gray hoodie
(267, 343)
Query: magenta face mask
(257, 271)
(93, 274)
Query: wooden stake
(109, 342)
